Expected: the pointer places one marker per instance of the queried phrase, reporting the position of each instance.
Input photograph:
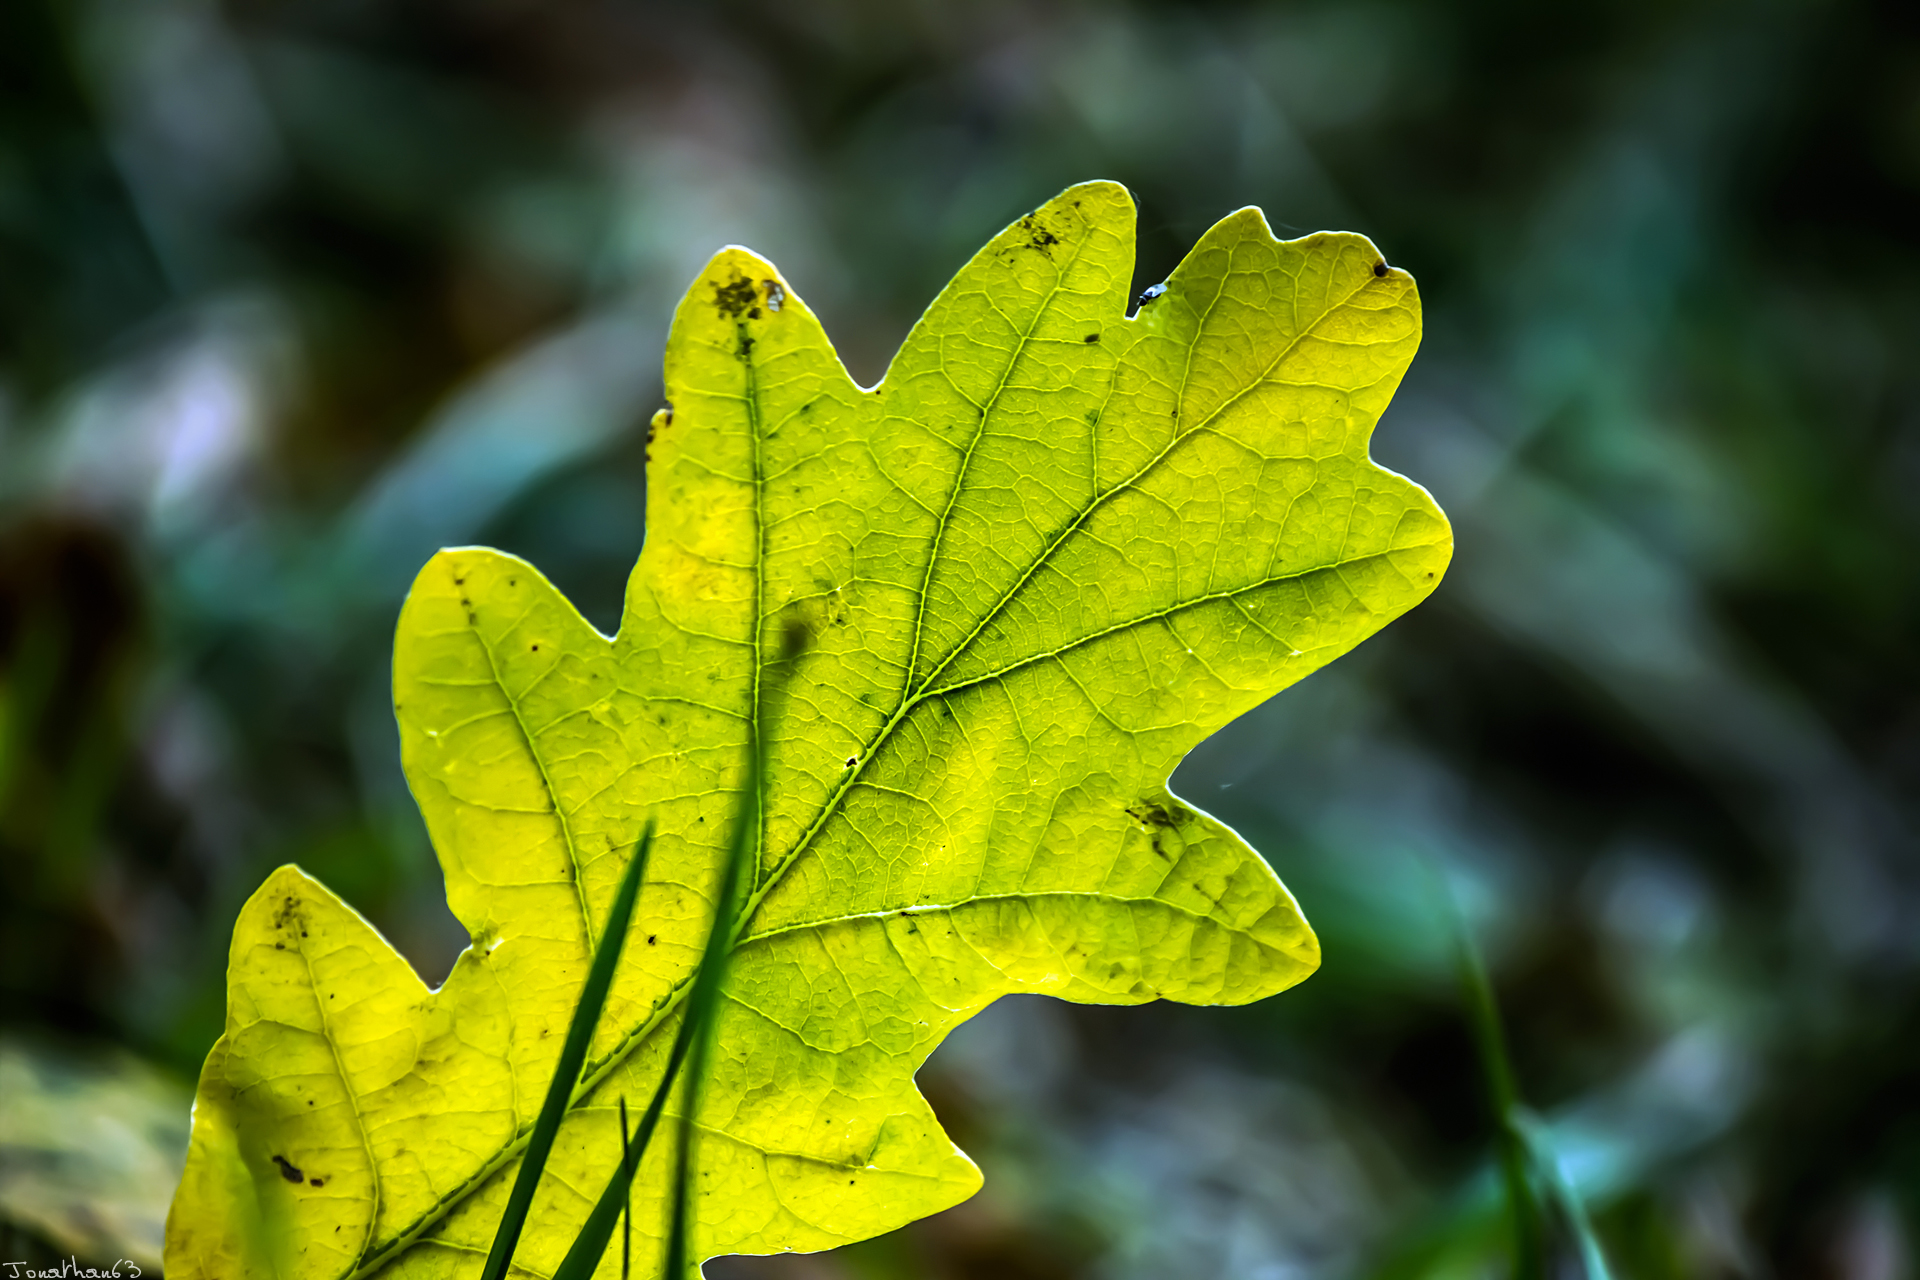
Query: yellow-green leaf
(1044, 558)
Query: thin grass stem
(626, 1209)
(694, 1034)
(1546, 1159)
(566, 1071)
(1497, 1081)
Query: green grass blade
(795, 639)
(1516, 1164)
(626, 1214)
(1503, 1098)
(566, 1072)
(1593, 1261)
(700, 1010)
(583, 1258)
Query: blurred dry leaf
(91, 1145)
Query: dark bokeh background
(292, 293)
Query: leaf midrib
(597, 1072)
(353, 1096)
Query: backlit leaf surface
(1054, 549)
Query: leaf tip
(741, 285)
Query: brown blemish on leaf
(737, 298)
(288, 1170)
(289, 916)
(1151, 813)
(1380, 268)
(1038, 237)
(1160, 823)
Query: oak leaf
(1053, 550)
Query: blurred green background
(293, 292)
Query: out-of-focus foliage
(89, 1148)
(294, 293)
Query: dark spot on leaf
(513, 582)
(1380, 268)
(668, 420)
(795, 637)
(279, 946)
(309, 1101)
(746, 346)
(536, 648)
(651, 939)
(737, 298)
(1038, 237)
(316, 1182)
(1092, 337)
(850, 760)
(1152, 814)
(287, 1171)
